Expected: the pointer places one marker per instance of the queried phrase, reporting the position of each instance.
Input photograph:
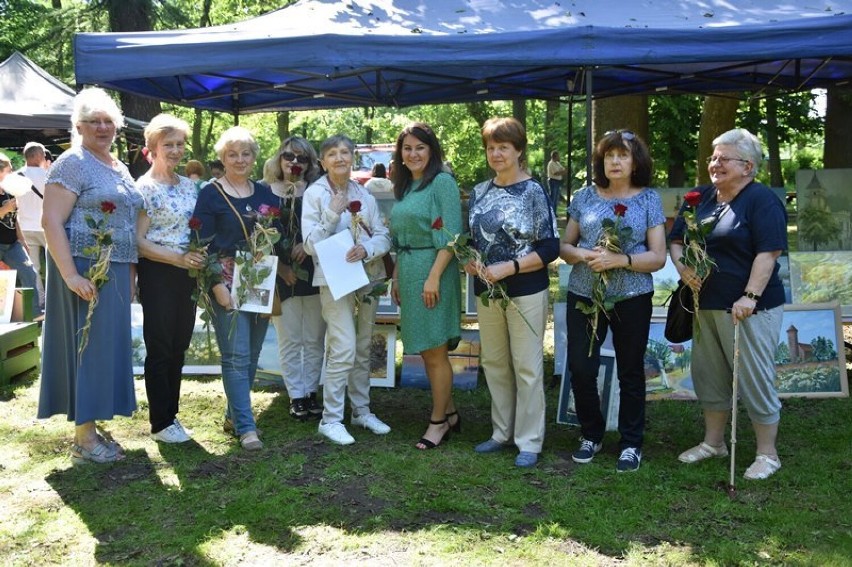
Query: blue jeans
(555, 191)
(16, 257)
(240, 337)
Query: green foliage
(782, 354)
(817, 226)
(823, 349)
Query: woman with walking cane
(742, 299)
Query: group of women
(514, 237)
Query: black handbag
(680, 314)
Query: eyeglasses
(724, 160)
(625, 134)
(290, 156)
(105, 123)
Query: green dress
(417, 245)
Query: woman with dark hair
(622, 167)
(300, 328)
(514, 229)
(426, 282)
(379, 182)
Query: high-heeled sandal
(429, 444)
(457, 425)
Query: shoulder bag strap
(230, 204)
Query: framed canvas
(667, 367)
(7, 294)
(824, 216)
(566, 413)
(202, 356)
(386, 307)
(383, 357)
(820, 277)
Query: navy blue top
(218, 219)
(507, 223)
(754, 222)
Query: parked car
(367, 155)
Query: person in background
(622, 166)
(426, 284)
(87, 181)
(555, 175)
(165, 286)
(328, 207)
(514, 229)
(300, 328)
(749, 233)
(227, 210)
(29, 211)
(216, 168)
(379, 181)
(194, 170)
(13, 246)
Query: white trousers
(512, 357)
(301, 337)
(348, 338)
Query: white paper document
(341, 276)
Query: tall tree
(838, 134)
(718, 116)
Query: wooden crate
(19, 350)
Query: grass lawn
(303, 501)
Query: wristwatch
(751, 295)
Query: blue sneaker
(586, 452)
(490, 446)
(525, 459)
(629, 460)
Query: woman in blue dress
(86, 181)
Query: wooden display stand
(19, 352)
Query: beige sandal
(763, 467)
(702, 451)
(250, 442)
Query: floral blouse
(169, 207)
(94, 182)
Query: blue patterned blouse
(93, 182)
(588, 209)
(169, 207)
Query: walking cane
(732, 491)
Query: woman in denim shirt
(622, 167)
(98, 383)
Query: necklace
(237, 191)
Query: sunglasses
(625, 134)
(724, 160)
(290, 156)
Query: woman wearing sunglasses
(620, 197)
(743, 289)
(300, 327)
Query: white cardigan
(319, 222)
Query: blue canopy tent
(330, 54)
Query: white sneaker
(185, 429)
(171, 434)
(371, 422)
(336, 433)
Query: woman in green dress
(426, 281)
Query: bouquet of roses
(613, 238)
(98, 273)
(261, 243)
(459, 245)
(695, 244)
(290, 221)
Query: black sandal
(457, 425)
(429, 444)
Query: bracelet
(751, 295)
(629, 262)
(517, 266)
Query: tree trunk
(551, 111)
(776, 177)
(628, 112)
(717, 116)
(838, 134)
(282, 121)
(519, 110)
(478, 111)
(130, 16)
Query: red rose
(295, 170)
(107, 207)
(438, 224)
(274, 211)
(355, 207)
(693, 198)
(620, 210)
(195, 223)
